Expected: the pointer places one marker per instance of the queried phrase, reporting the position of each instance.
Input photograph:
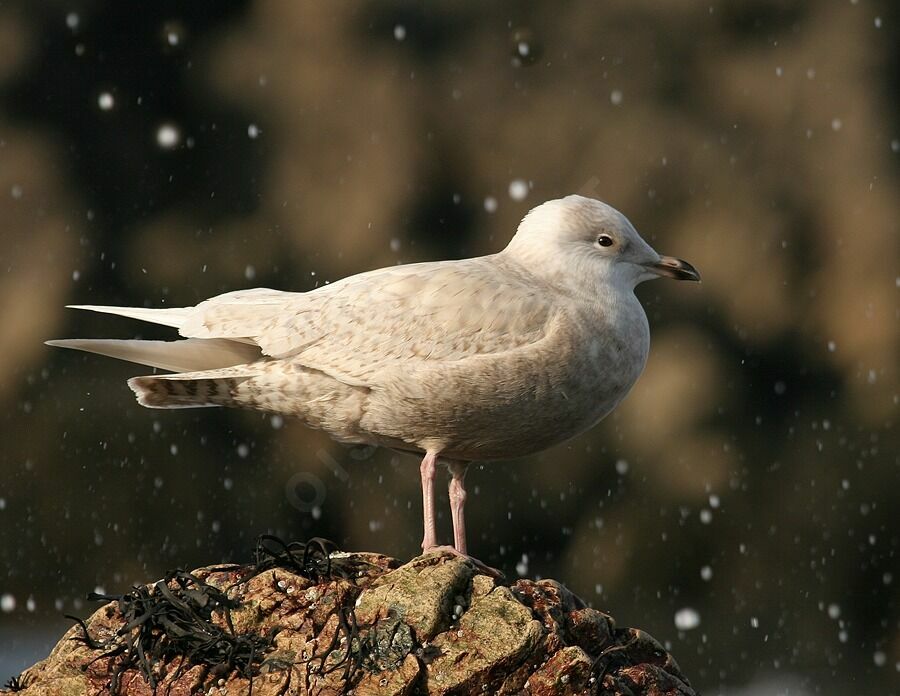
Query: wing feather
(373, 323)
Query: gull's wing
(362, 325)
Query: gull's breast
(606, 350)
(520, 402)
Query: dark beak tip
(691, 273)
(677, 269)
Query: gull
(493, 357)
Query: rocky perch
(308, 620)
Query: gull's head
(591, 244)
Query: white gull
(493, 357)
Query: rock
(421, 592)
(494, 635)
(352, 623)
(567, 672)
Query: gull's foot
(482, 568)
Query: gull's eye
(605, 240)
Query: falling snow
(518, 189)
(522, 566)
(167, 136)
(687, 619)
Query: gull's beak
(674, 268)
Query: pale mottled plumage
(484, 358)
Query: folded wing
(358, 327)
(353, 330)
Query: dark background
(752, 475)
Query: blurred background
(741, 504)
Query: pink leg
(427, 470)
(458, 503)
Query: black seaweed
(14, 684)
(173, 618)
(311, 560)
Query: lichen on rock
(360, 624)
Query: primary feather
(176, 356)
(173, 316)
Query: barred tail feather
(186, 391)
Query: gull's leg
(458, 503)
(427, 470)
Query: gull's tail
(191, 390)
(208, 378)
(210, 370)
